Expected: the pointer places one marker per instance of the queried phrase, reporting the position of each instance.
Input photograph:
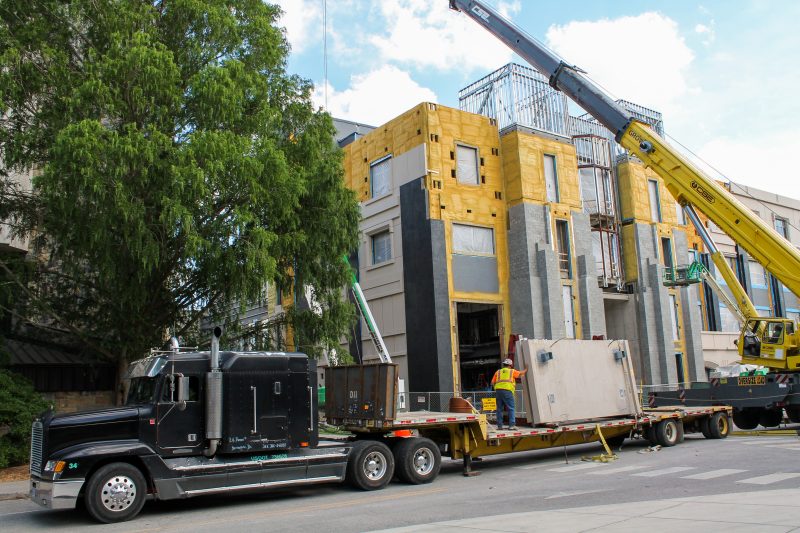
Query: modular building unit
(572, 380)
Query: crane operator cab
(770, 342)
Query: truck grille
(36, 448)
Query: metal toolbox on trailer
(362, 395)
(571, 380)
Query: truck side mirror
(183, 391)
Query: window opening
(551, 178)
(655, 201)
(467, 165)
(381, 247)
(473, 240)
(562, 248)
(380, 173)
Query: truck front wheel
(417, 460)
(115, 493)
(370, 465)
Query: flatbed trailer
(468, 436)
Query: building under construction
(512, 216)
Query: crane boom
(363, 308)
(772, 342)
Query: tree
(178, 168)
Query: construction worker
(504, 383)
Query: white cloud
(707, 32)
(427, 34)
(375, 97)
(751, 161)
(640, 58)
(303, 22)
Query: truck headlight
(55, 466)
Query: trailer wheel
(770, 418)
(667, 432)
(616, 441)
(370, 465)
(745, 419)
(681, 433)
(705, 428)
(417, 460)
(649, 433)
(793, 412)
(115, 493)
(719, 426)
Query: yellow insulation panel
(459, 203)
(442, 129)
(629, 253)
(523, 155)
(397, 136)
(633, 178)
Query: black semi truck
(194, 424)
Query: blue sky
(725, 74)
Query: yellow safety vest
(505, 379)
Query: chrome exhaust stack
(214, 397)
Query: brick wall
(69, 402)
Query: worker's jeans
(505, 397)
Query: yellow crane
(771, 342)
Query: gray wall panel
(472, 273)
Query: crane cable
(325, 50)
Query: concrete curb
(766, 433)
(14, 490)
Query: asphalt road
(513, 483)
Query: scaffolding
(598, 192)
(515, 95)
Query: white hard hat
(508, 362)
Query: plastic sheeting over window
(758, 276)
(655, 201)
(467, 164)
(473, 240)
(380, 174)
(551, 178)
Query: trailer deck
(469, 435)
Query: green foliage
(180, 168)
(19, 406)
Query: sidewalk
(763, 511)
(13, 490)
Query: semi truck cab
(193, 423)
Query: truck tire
(667, 432)
(115, 493)
(745, 419)
(681, 433)
(705, 427)
(770, 418)
(649, 433)
(719, 426)
(370, 465)
(616, 441)
(793, 412)
(417, 460)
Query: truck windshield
(141, 391)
